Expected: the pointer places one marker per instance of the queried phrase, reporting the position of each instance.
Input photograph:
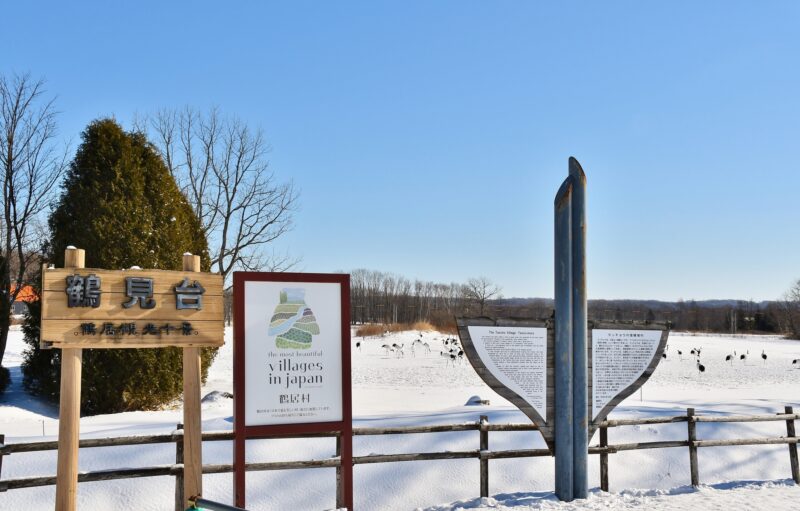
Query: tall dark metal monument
(571, 366)
(565, 373)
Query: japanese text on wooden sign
(91, 308)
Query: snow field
(424, 390)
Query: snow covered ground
(422, 390)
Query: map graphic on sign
(293, 322)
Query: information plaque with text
(516, 359)
(517, 356)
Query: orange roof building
(26, 294)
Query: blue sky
(429, 138)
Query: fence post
(340, 503)
(790, 433)
(692, 425)
(179, 501)
(484, 423)
(604, 459)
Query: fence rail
(482, 453)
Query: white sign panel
(293, 358)
(517, 357)
(619, 357)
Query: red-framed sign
(291, 363)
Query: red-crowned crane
(700, 367)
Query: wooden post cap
(74, 257)
(191, 262)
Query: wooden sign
(87, 308)
(622, 357)
(516, 359)
(93, 308)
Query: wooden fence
(483, 454)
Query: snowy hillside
(423, 389)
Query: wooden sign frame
(71, 369)
(651, 367)
(547, 428)
(342, 428)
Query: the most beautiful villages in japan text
(293, 346)
(295, 385)
(517, 358)
(289, 374)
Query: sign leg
(69, 412)
(192, 428)
(192, 435)
(346, 483)
(238, 469)
(69, 429)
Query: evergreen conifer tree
(119, 203)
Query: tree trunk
(5, 323)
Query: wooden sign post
(192, 427)
(69, 411)
(102, 309)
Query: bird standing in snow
(700, 367)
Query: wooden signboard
(515, 358)
(622, 357)
(93, 308)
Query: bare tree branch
(31, 167)
(790, 308)
(221, 165)
(480, 290)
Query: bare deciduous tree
(220, 164)
(378, 297)
(31, 167)
(790, 308)
(480, 290)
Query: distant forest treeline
(728, 316)
(379, 297)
